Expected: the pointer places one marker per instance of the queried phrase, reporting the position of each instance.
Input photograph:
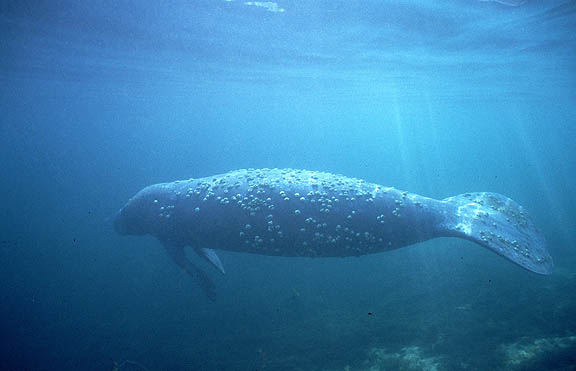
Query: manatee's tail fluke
(501, 225)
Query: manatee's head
(140, 214)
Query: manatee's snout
(132, 219)
(137, 216)
(120, 225)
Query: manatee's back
(297, 213)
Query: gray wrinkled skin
(283, 212)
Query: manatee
(301, 213)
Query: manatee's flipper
(179, 256)
(212, 257)
(501, 225)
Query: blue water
(100, 99)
